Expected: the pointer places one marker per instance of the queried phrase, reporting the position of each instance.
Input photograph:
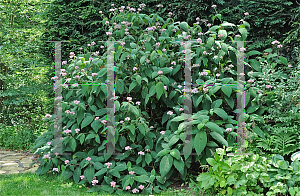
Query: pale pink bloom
(76, 102)
(163, 30)
(169, 112)
(54, 78)
(205, 89)
(72, 113)
(135, 68)
(123, 43)
(67, 131)
(97, 118)
(107, 22)
(289, 65)
(129, 98)
(229, 129)
(258, 91)
(126, 29)
(104, 121)
(162, 132)
(268, 86)
(75, 85)
(218, 74)
(214, 6)
(197, 18)
(100, 12)
(279, 46)
(221, 35)
(67, 161)
(81, 177)
(128, 148)
(183, 51)
(102, 46)
(112, 4)
(77, 130)
(275, 42)
(131, 172)
(32, 157)
(204, 52)
(108, 33)
(238, 36)
(141, 153)
(80, 48)
(121, 121)
(139, 9)
(157, 44)
(173, 63)
(82, 70)
(77, 77)
(46, 156)
(60, 108)
(113, 184)
(241, 74)
(138, 103)
(48, 115)
(230, 65)
(195, 90)
(197, 23)
(164, 50)
(56, 153)
(127, 118)
(89, 45)
(242, 49)
(61, 138)
(94, 182)
(141, 187)
(199, 40)
(208, 24)
(55, 169)
(58, 98)
(200, 33)
(91, 58)
(67, 112)
(94, 74)
(170, 13)
(108, 164)
(251, 80)
(246, 13)
(63, 74)
(171, 67)
(88, 159)
(165, 87)
(160, 72)
(182, 43)
(49, 143)
(181, 109)
(135, 190)
(179, 86)
(203, 73)
(127, 188)
(250, 72)
(64, 62)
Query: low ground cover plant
(149, 103)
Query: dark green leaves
(159, 89)
(87, 120)
(219, 138)
(200, 141)
(165, 164)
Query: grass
(50, 184)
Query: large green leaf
(252, 109)
(142, 178)
(96, 125)
(159, 89)
(142, 128)
(72, 143)
(184, 26)
(87, 120)
(165, 164)
(179, 165)
(259, 132)
(175, 153)
(89, 173)
(220, 112)
(219, 138)
(200, 141)
(255, 65)
(214, 127)
(227, 90)
(77, 174)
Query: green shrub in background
(17, 137)
(250, 175)
(149, 103)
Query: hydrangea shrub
(149, 103)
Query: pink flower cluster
(141, 153)
(67, 131)
(108, 164)
(128, 148)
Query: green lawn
(50, 184)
